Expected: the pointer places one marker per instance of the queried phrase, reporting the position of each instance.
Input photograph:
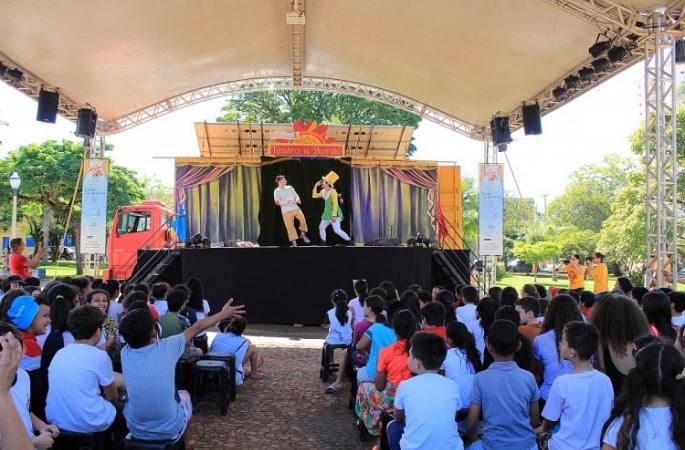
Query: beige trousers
(289, 220)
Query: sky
(582, 132)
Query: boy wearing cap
(32, 316)
(286, 197)
(332, 214)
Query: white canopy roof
(454, 62)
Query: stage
(283, 285)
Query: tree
(469, 208)
(155, 189)
(586, 202)
(536, 253)
(49, 173)
(322, 107)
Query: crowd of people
(84, 350)
(528, 369)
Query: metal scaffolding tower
(660, 153)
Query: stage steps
(167, 259)
(449, 267)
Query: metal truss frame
(661, 159)
(286, 83)
(297, 44)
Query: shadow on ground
(286, 410)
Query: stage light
(502, 148)
(600, 65)
(586, 73)
(599, 48)
(559, 93)
(571, 81)
(617, 54)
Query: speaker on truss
(48, 102)
(499, 127)
(86, 122)
(532, 123)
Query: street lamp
(15, 182)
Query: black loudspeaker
(86, 122)
(48, 102)
(499, 127)
(532, 123)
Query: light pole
(15, 182)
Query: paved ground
(286, 410)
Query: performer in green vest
(332, 214)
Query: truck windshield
(133, 222)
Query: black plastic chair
(211, 377)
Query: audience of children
(361, 291)
(657, 308)
(377, 337)
(433, 319)
(173, 323)
(231, 340)
(374, 399)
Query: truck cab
(140, 227)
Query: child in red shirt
(373, 399)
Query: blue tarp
(180, 225)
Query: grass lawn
(63, 269)
(517, 280)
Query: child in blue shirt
(507, 396)
(425, 405)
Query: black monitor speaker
(48, 103)
(86, 122)
(532, 123)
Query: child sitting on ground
(155, 409)
(374, 399)
(231, 340)
(339, 333)
(580, 400)
(649, 412)
(506, 395)
(425, 405)
(21, 393)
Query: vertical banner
(491, 199)
(94, 206)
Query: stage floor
(283, 285)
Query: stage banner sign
(312, 150)
(491, 200)
(94, 205)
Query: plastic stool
(229, 359)
(328, 367)
(69, 440)
(130, 443)
(202, 372)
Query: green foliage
(155, 189)
(322, 107)
(469, 207)
(586, 202)
(538, 252)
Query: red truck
(141, 227)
